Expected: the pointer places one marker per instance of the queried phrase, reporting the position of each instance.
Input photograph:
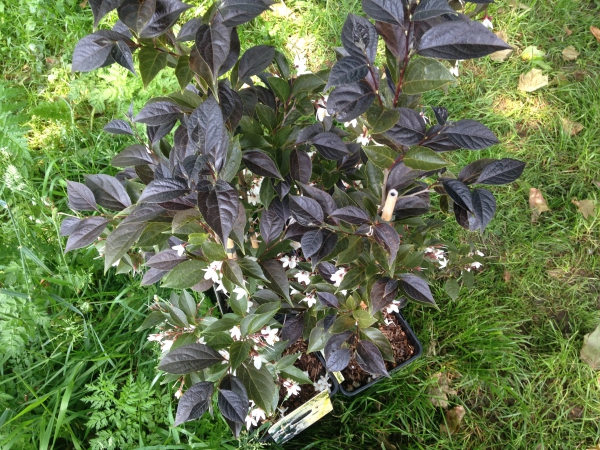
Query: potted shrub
(314, 230)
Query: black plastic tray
(412, 338)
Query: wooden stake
(390, 204)
(254, 240)
(231, 249)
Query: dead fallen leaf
(537, 203)
(454, 417)
(280, 9)
(532, 80)
(570, 53)
(569, 32)
(501, 55)
(596, 32)
(570, 127)
(506, 276)
(556, 273)
(440, 390)
(585, 207)
(590, 351)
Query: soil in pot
(355, 377)
(306, 363)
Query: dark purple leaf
(255, 60)
(260, 163)
(441, 114)
(296, 231)
(189, 29)
(321, 197)
(383, 292)
(120, 241)
(349, 102)
(311, 242)
(459, 193)
(68, 225)
(412, 206)
(81, 198)
(351, 214)
(271, 225)
(416, 288)
(394, 38)
(329, 145)
(194, 402)
(219, 208)
(189, 358)
(327, 299)
(292, 328)
(428, 9)
(108, 192)
(238, 12)
(167, 12)
(118, 126)
(159, 113)
(122, 55)
(144, 213)
(166, 260)
(212, 42)
(231, 106)
(369, 358)
(400, 177)
(410, 129)
(326, 270)
(281, 208)
(347, 70)
(136, 13)
(330, 240)
(300, 166)
(306, 134)
(359, 37)
(466, 219)
(93, 51)
(234, 53)
(206, 130)
(484, 206)
(471, 172)
(233, 406)
(387, 237)
(471, 135)
(390, 11)
(278, 281)
(306, 211)
(156, 133)
(101, 8)
(135, 155)
(153, 276)
(336, 357)
(503, 171)
(163, 190)
(460, 39)
(85, 232)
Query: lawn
(75, 373)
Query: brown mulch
(355, 377)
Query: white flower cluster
(321, 384)
(322, 109)
(254, 416)
(254, 192)
(338, 276)
(303, 277)
(289, 261)
(475, 264)
(436, 255)
(292, 387)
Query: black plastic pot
(412, 338)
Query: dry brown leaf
(570, 53)
(590, 351)
(569, 32)
(596, 32)
(440, 390)
(556, 273)
(585, 207)
(454, 417)
(501, 55)
(570, 127)
(506, 276)
(532, 80)
(537, 203)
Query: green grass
(510, 345)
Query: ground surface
(75, 374)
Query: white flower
(156, 337)
(393, 307)
(321, 384)
(310, 299)
(363, 139)
(239, 292)
(487, 22)
(178, 393)
(213, 271)
(352, 123)
(254, 192)
(303, 277)
(338, 276)
(255, 415)
(294, 291)
(249, 305)
(225, 355)
(454, 70)
(322, 109)
(292, 387)
(201, 340)
(235, 333)
(295, 245)
(165, 345)
(258, 361)
(116, 263)
(180, 249)
(388, 322)
(270, 335)
(289, 261)
(300, 64)
(220, 287)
